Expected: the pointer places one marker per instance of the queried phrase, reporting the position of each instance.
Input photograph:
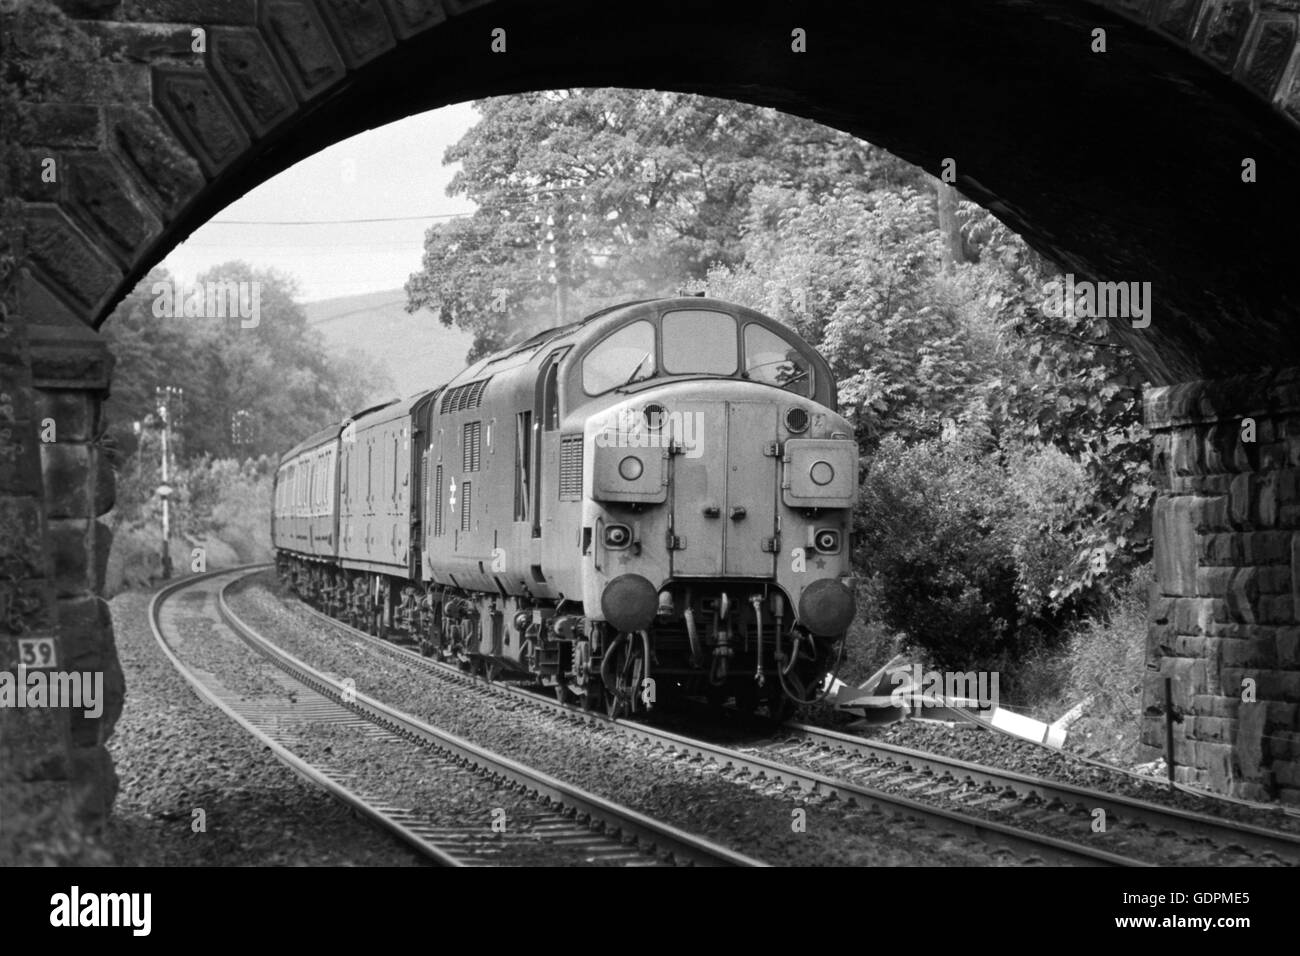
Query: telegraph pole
(549, 265)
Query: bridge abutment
(1224, 622)
(56, 775)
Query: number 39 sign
(37, 652)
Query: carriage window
(624, 357)
(329, 481)
(699, 340)
(772, 360)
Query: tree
(915, 344)
(249, 389)
(858, 275)
(587, 197)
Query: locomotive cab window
(772, 360)
(551, 396)
(699, 341)
(523, 464)
(626, 356)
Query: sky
(391, 172)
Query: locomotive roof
(591, 326)
(395, 408)
(314, 440)
(571, 331)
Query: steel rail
(1052, 849)
(1117, 806)
(343, 794)
(681, 846)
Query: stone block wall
(56, 777)
(1224, 622)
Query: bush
(1108, 654)
(1047, 486)
(231, 500)
(934, 530)
(221, 504)
(965, 549)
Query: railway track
(1056, 821)
(869, 760)
(981, 806)
(574, 825)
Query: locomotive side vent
(471, 445)
(464, 397)
(436, 504)
(571, 468)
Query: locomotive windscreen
(699, 341)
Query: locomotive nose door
(724, 494)
(750, 513)
(699, 487)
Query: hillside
(417, 350)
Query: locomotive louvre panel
(466, 523)
(571, 468)
(464, 397)
(424, 486)
(436, 504)
(471, 446)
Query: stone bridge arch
(1122, 165)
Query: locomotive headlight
(821, 472)
(617, 536)
(827, 540)
(630, 468)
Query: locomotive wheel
(636, 704)
(617, 697)
(615, 706)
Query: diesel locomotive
(653, 500)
